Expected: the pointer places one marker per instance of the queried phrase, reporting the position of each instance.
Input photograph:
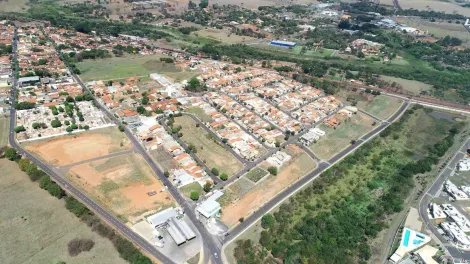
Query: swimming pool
(406, 238)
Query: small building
(286, 44)
(28, 80)
(209, 208)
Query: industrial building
(286, 44)
(178, 229)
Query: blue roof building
(286, 44)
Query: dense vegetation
(328, 223)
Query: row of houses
(241, 142)
(7, 33)
(457, 225)
(297, 98)
(245, 118)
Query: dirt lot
(381, 106)
(4, 126)
(63, 150)
(211, 153)
(33, 232)
(337, 139)
(122, 184)
(223, 35)
(298, 167)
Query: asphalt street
(433, 192)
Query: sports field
(36, 227)
(125, 184)
(117, 68)
(79, 147)
(244, 198)
(210, 152)
(381, 106)
(4, 130)
(337, 139)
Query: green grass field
(37, 227)
(117, 68)
(4, 129)
(256, 174)
(381, 106)
(222, 35)
(192, 187)
(337, 139)
(199, 113)
(211, 153)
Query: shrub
(12, 154)
(121, 128)
(273, 170)
(194, 196)
(56, 123)
(215, 171)
(224, 176)
(76, 246)
(267, 221)
(19, 129)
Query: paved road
(112, 155)
(236, 231)
(111, 219)
(432, 192)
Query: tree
(215, 171)
(273, 170)
(56, 123)
(344, 24)
(268, 221)
(241, 220)
(361, 55)
(19, 129)
(55, 190)
(12, 154)
(145, 100)
(121, 128)
(224, 176)
(76, 246)
(207, 187)
(277, 144)
(195, 85)
(44, 182)
(36, 125)
(166, 173)
(204, 3)
(86, 127)
(194, 196)
(76, 207)
(69, 129)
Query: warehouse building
(286, 44)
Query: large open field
(13, 6)
(414, 87)
(35, 227)
(122, 183)
(223, 35)
(4, 130)
(244, 199)
(211, 153)
(447, 6)
(337, 139)
(128, 66)
(381, 106)
(79, 147)
(295, 52)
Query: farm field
(14, 6)
(122, 183)
(381, 106)
(439, 6)
(439, 29)
(414, 87)
(239, 203)
(223, 35)
(4, 130)
(63, 150)
(253, 4)
(38, 232)
(337, 139)
(210, 152)
(117, 68)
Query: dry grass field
(122, 183)
(337, 139)
(414, 87)
(35, 227)
(211, 153)
(243, 203)
(63, 150)
(13, 5)
(381, 106)
(4, 129)
(223, 35)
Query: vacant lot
(242, 205)
(199, 113)
(84, 146)
(223, 35)
(414, 87)
(123, 184)
(128, 66)
(193, 187)
(164, 159)
(253, 4)
(337, 139)
(13, 5)
(256, 174)
(381, 106)
(33, 232)
(4, 130)
(211, 153)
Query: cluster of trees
(338, 230)
(194, 85)
(119, 50)
(77, 246)
(92, 54)
(187, 30)
(167, 60)
(24, 105)
(5, 49)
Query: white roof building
(209, 208)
